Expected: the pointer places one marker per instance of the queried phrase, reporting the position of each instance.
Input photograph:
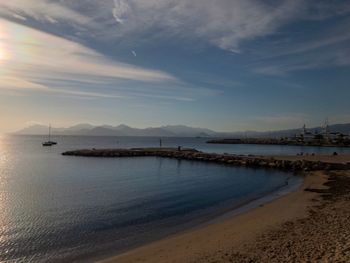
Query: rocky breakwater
(227, 159)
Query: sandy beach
(308, 225)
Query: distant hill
(189, 131)
(167, 131)
(120, 130)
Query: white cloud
(224, 23)
(17, 83)
(121, 8)
(32, 57)
(36, 53)
(43, 10)
(19, 17)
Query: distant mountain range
(120, 130)
(166, 131)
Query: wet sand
(311, 224)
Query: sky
(227, 65)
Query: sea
(56, 208)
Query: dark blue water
(57, 208)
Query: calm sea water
(57, 208)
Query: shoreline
(237, 232)
(227, 211)
(259, 201)
(244, 225)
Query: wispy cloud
(121, 8)
(295, 44)
(36, 52)
(296, 51)
(30, 60)
(42, 10)
(221, 23)
(320, 10)
(70, 48)
(15, 83)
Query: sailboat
(49, 142)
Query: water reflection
(53, 205)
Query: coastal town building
(322, 135)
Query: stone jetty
(227, 159)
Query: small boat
(49, 142)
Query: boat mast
(49, 132)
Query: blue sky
(227, 65)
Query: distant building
(324, 136)
(314, 136)
(307, 136)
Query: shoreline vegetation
(282, 141)
(308, 225)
